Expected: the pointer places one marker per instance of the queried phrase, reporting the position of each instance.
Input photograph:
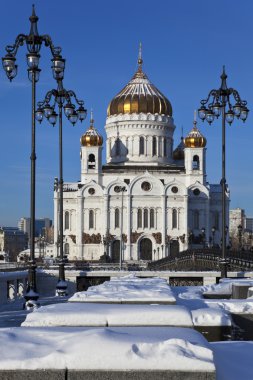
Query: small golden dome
(91, 136)
(139, 96)
(195, 139)
(178, 153)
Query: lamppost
(240, 236)
(154, 254)
(203, 232)
(63, 99)
(162, 246)
(33, 42)
(218, 103)
(121, 189)
(213, 233)
(158, 249)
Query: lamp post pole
(218, 103)
(33, 42)
(62, 98)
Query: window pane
(141, 145)
(154, 148)
(145, 218)
(91, 219)
(152, 218)
(174, 218)
(116, 218)
(139, 218)
(66, 220)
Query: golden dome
(139, 96)
(195, 139)
(91, 136)
(178, 153)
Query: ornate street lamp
(218, 103)
(33, 42)
(62, 99)
(213, 233)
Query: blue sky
(185, 43)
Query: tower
(91, 154)
(195, 155)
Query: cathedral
(148, 200)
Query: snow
(85, 314)
(140, 348)
(191, 297)
(210, 317)
(233, 360)
(128, 289)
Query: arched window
(164, 147)
(139, 218)
(66, 220)
(91, 219)
(216, 220)
(154, 146)
(117, 147)
(116, 218)
(174, 218)
(145, 218)
(91, 161)
(196, 220)
(66, 248)
(141, 150)
(152, 218)
(195, 162)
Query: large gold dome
(91, 136)
(139, 96)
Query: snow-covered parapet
(211, 317)
(128, 289)
(122, 349)
(86, 314)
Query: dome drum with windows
(91, 136)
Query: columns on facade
(163, 224)
(56, 221)
(79, 227)
(129, 216)
(185, 226)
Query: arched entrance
(115, 251)
(174, 248)
(145, 249)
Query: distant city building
(40, 225)
(249, 224)
(12, 241)
(49, 234)
(240, 238)
(236, 218)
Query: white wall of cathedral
(139, 138)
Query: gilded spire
(140, 60)
(91, 118)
